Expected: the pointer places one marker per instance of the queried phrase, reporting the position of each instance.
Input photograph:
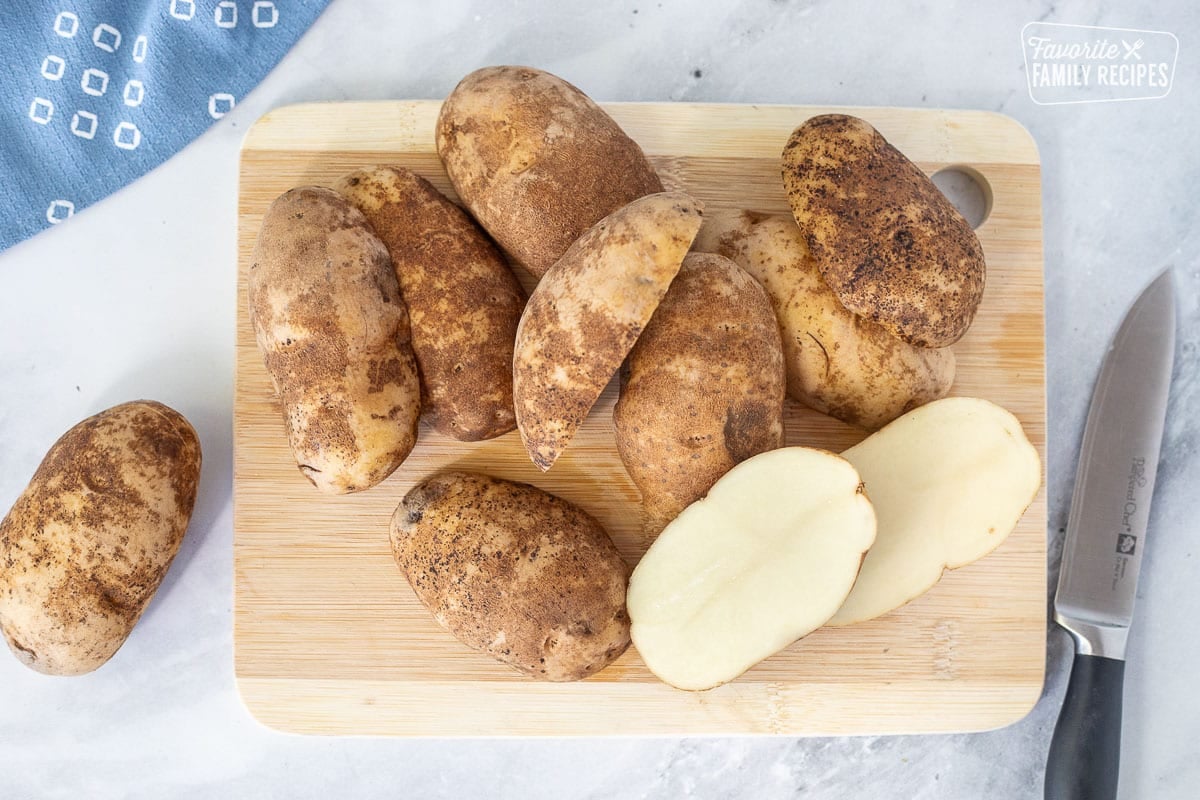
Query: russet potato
(514, 572)
(463, 301)
(588, 310)
(890, 245)
(90, 539)
(702, 389)
(536, 161)
(334, 335)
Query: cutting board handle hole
(968, 190)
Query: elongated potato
(463, 301)
(514, 572)
(949, 482)
(763, 560)
(536, 161)
(837, 362)
(703, 389)
(588, 310)
(88, 542)
(334, 335)
(890, 245)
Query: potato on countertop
(536, 161)
(589, 309)
(514, 572)
(334, 335)
(463, 300)
(88, 542)
(890, 245)
(837, 362)
(703, 387)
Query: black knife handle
(1085, 752)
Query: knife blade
(1105, 542)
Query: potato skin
(588, 310)
(711, 355)
(837, 362)
(514, 572)
(88, 542)
(463, 300)
(536, 161)
(335, 338)
(890, 245)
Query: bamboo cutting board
(328, 636)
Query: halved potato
(949, 482)
(765, 558)
(588, 310)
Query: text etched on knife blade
(1126, 540)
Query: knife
(1106, 538)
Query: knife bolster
(1095, 638)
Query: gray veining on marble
(135, 297)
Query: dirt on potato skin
(712, 354)
(536, 160)
(335, 338)
(587, 312)
(90, 539)
(888, 242)
(462, 298)
(514, 572)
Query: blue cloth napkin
(98, 92)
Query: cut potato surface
(767, 557)
(949, 481)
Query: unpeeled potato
(837, 362)
(88, 542)
(463, 301)
(703, 387)
(335, 338)
(536, 161)
(514, 572)
(588, 310)
(890, 245)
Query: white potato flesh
(949, 481)
(765, 558)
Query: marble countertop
(135, 297)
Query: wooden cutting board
(328, 636)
